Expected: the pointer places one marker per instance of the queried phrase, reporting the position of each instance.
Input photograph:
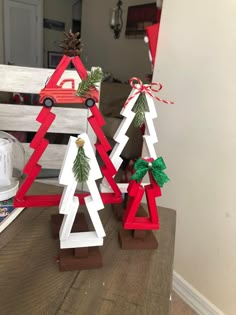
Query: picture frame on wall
(54, 25)
(138, 18)
(54, 58)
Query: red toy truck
(65, 95)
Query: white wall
(122, 57)
(59, 10)
(197, 138)
(1, 33)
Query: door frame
(39, 21)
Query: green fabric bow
(156, 167)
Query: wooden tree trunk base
(76, 258)
(140, 234)
(81, 252)
(118, 210)
(129, 239)
(69, 262)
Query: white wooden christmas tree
(128, 112)
(69, 204)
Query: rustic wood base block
(139, 234)
(79, 225)
(69, 262)
(81, 252)
(118, 210)
(128, 241)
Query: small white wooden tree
(69, 204)
(150, 136)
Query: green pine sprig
(81, 167)
(88, 84)
(139, 109)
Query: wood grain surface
(29, 80)
(130, 283)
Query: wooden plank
(52, 157)
(131, 282)
(92, 136)
(39, 287)
(29, 80)
(22, 118)
(26, 216)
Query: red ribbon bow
(146, 88)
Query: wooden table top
(131, 282)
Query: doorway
(23, 32)
(76, 16)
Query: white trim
(40, 33)
(193, 298)
(39, 6)
(6, 38)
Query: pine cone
(71, 44)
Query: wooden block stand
(118, 209)
(79, 259)
(76, 258)
(138, 239)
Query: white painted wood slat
(23, 118)
(52, 156)
(29, 80)
(51, 159)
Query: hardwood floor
(178, 307)
(131, 282)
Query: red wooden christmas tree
(134, 221)
(55, 93)
(136, 192)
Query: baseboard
(193, 298)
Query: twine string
(146, 88)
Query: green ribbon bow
(156, 167)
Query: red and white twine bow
(146, 88)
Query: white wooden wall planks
(23, 117)
(29, 80)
